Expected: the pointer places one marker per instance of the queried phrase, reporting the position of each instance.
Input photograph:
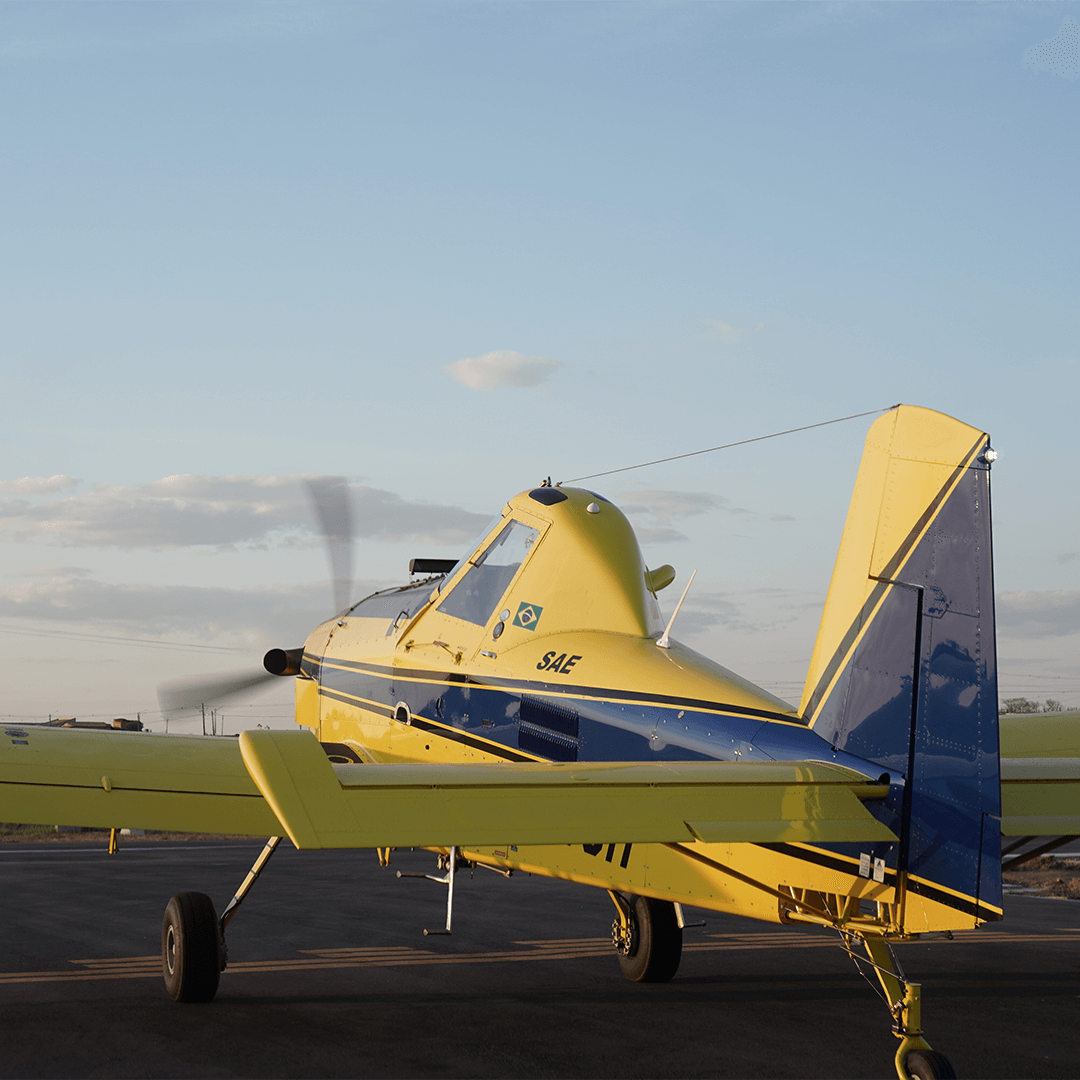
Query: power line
(117, 639)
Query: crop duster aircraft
(526, 709)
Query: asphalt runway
(330, 975)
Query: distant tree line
(1024, 705)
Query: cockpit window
(471, 548)
(478, 593)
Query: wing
(113, 779)
(1040, 796)
(274, 782)
(1040, 775)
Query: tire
(928, 1065)
(190, 948)
(657, 944)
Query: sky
(448, 250)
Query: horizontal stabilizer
(323, 805)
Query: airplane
(526, 709)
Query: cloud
(1060, 55)
(265, 611)
(56, 571)
(728, 333)
(1068, 556)
(499, 369)
(653, 511)
(219, 511)
(753, 611)
(38, 485)
(649, 535)
(1051, 613)
(664, 506)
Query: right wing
(345, 806)
(1040, 775)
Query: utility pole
(203, 707)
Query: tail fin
(904, 669)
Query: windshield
(468, 551)
(478, 593)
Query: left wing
(136, 780)
(274, 782)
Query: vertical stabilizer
(904, 668)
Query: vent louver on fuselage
(548, 730)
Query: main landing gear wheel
(190, 947)
(655, 947)
(928, 1065)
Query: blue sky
(244, 243)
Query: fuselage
(541, 644)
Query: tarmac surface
(330, 975)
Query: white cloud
(1051, 613)
(728, 333)
(39, 485)
(503, 369)
(219, 511)
(1060, 55)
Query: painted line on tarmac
(144, 967)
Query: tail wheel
(928, 1065)
(655, 946)
(190, 948)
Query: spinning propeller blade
(186, 697)
(332, 503)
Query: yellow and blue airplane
(526, 708)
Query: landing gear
(915, 1060)
(190, 947)
(928, 1065)
(193, 950)
(648, 938)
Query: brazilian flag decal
(528, 615)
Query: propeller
(180, 698)
(331, 503)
